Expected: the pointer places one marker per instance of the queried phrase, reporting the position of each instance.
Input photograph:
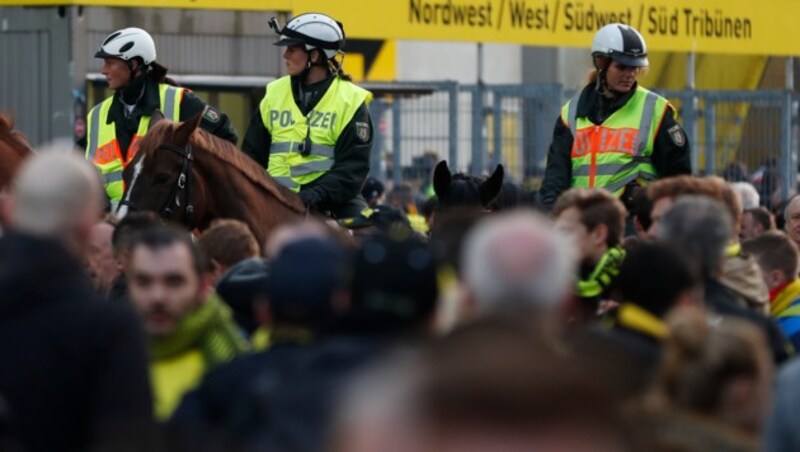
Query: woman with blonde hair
(614, 134)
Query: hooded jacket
(741, 274)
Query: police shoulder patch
(362, 131)
(211, 115)
(677, 136)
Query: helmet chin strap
(310, 64)
(601, 85)
(134, 72)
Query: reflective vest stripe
(647, 120)
(620, 184)
(311, 167)
(286, 182)
(94, 133)
(573, 112)
(280, 148)
(112, 177)
(321, 150)
(642, 135)
(608, 169)
(103, 148)
(170, 112)
(321, 128)
(617, 152)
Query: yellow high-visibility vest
(618, 151)
(102, 147)
(290, 164)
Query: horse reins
(183, 184)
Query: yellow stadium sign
(711, 26)
(260, 5)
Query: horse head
(463, 190)
(159, 178)
(14, 149)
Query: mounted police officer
(312, 131)
(614, 134)
(141, 87)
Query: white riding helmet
(314, 30)
(128, 43)
(622, 43)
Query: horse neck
(10, 161)
(233, 195)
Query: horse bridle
(182, 185)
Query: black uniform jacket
(126, 126)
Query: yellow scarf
(733, 250)
(638, 319)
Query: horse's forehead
(137, 168)
(465, 183)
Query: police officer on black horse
(614, 134)
(312, 131)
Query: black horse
(462, 190)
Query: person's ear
(599, 234)
(777, 278)
(206, 286)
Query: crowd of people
(585, 327)
(630, 306)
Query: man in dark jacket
(700, 227)
(281, 399)
(126, 231)
(74, 371)
(651, 282)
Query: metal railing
(475, 127)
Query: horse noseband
(182, 185)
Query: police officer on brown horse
(141, 87)
(312, 131)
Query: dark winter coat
(74, 368)
(278, 400)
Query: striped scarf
(209, 328)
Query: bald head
(518, 258)
(57, 194)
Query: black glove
(310, 198)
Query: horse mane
(224, 151)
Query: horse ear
(442, 179)
(6, 123)
(186, 128)
(491, 187)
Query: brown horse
(14, 149)
(192, 177)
